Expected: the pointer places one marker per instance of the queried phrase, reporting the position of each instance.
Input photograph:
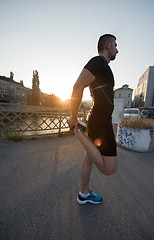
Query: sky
(58, 38)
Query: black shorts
(103, 138)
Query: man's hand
(73, 122)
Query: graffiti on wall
(126, 138)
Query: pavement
(39, 182)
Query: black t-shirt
(102, 88)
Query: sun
(63, 99)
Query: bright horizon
(58, 38)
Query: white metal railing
(31, 123)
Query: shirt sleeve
(96, 66)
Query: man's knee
(110, 165)
(109, 172)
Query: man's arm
(84, 80)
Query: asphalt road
(39, 182)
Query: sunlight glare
(63, 99)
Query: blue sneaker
(81, 126)
(93, 198)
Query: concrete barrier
(135, 139)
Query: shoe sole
(86, 201)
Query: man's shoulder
(96, 65)
(96, 60)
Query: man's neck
(105, 55)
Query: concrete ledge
(135, 139)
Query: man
(98, 76)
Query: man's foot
(92, 198)
(81, 126)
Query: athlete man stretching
(98, 76)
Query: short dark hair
(103, 39)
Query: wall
(135, 139)
(150, 89)
(144, 96)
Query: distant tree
(22, 83)
(35, 88)
(11, 75)
(50, 100)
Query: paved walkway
(39, 182)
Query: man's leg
(86, 195)
(92, 151)
(109, 167)
(86, 168)
(106, 164)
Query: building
(144, 93)
(124, 93)
(11, 91)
